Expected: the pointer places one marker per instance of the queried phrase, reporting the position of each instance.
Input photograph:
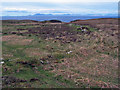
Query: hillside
(78, 54)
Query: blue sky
(59, 7)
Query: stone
(34, 79)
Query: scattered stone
(11, 79)
(79, 29)
(2, 62)
(83, 29)
(34, 79)
(41, 61)
(26, 63)
(22, 62)
(69, 52)
(49, 56)
(13, 33)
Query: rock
(2, 62)
(112, 34)
(14, 33)
(70, 24)
(5, 33)
(83, 28)
(22, 62)
(67, 41)
(32, 65)
(49, 56)
(11, 79)
(69, 52)
(35, 68)
(27, 63)
(88, 32)
(42, 62)
(34, 79)
(79, 29)
(23, 80)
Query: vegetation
(59, 55)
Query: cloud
(14, 9)
(81, 11)
(60, 1)
(32, 10)
(53, 8)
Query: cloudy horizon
(59, 8)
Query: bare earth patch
(16, 40)
(31, 52)
(10, 37)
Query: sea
(63, 18)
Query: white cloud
(33, 10)
(81, 11)
(14, 9)
(60, 1)
(71, 8)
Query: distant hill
(41, 14)
(52, 21)
(49, 14)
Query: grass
(90, 59)
(26, 72)
(78, 26)
(45, 77)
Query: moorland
(55, 54)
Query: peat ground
(82, 53)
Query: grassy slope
(87, 66)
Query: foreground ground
(54, 55)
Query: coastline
(63, 18)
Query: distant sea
(64, 18)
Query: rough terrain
(54, 54)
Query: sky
(59, 7)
